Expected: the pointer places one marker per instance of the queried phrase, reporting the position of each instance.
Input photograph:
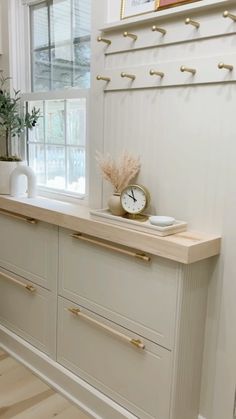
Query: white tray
(104, 215)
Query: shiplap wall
(186, 137)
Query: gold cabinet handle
(141, 256)
(28, 287)
(18, 216)
(105, 40)
(189, 21)
(230, 15)
(136, 342)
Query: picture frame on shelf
(164, 4)
(130, 8)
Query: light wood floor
(25, 396)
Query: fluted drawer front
(98, 351)
(29, 250)
(28, 310)
(136, 294)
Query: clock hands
(132, 196)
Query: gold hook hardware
(129, 76)
(157, 29)
(189, 21)
(130, 35)
(107, 41)
(156, 73)
(107, 79)
(226, 66)
(230, 15)
(189, 70)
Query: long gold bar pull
(136, 342)
(28, 287)
(156, 73)
(105, 40)
(189, 21)
(230, 15)
(130, 35)
(183, 69)
(226, 66)
(28, 220)
(128, 76)
(104, 78)
(138, 255)
(157, 29)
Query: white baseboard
(201, 417)
(72, 387)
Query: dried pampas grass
(121, 173)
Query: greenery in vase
(12, 122)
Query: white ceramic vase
(114, 204)
(6, 169)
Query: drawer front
(29, 312)
(29, 250)
(141, 296)
(138, 379)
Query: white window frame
(20, 58)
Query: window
(60, 79)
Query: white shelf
(199, 6)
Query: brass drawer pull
(28, 287)
(136, 342)
(19, 217)
(141, 256)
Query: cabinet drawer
(141, 296)
(138, 379)
(29, 250)
(29, 312)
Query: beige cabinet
(160, 302)
(29, 250)
(28, 310)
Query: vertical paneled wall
(183, 128)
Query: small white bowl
(161, 220)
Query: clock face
(134, 199)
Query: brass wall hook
(130, 35)
(229, 67)
(129, 76)
(106, 41)
(104, 78)
(157, 29)
(183, 68)
(156, 73)
(189, 21)
(230, 15)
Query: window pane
(41, 71)
(76, 170)
(55, 177)
(55, 122)
(39, 21)
(61, 44)
(82, 65)
(37, 162)
(36, 134)
(76, 122)
(62, 67)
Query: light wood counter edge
(186, 248)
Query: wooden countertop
(186, 247)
